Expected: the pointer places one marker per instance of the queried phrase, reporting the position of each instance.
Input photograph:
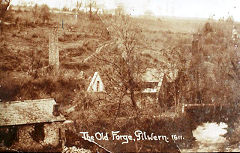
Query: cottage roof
(152, 80)
(28, 112)
(171, 75)
(152, 75)
(93, 84)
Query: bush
(34, 35)
(207, 28)
(9, 16)
(36, 11)
(45, 13)
(9, 60)
(90, 44)
(61, 39)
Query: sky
(177, 8)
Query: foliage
(60, 88)
(91, 4)
(78, 6)
(213, 65)
(36, 11)
(45, 13)
(207, 75)
(9, 15)
(123, 63)
(65, 9)
(4, 4)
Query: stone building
(54, 50)
(31, 125)
(150, 85)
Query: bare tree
(45, 13)
(78, 6)
(119, 10)
(124, 67)
(35, 11)
(174, 64)
(91, 4)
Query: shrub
(9, 16)
(34, 35)
(90, 44)
(36, 11)
(61, 39)
(207, 28)
(45, 13)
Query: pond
(211, 137)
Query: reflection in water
(210, 138)
(210, 133)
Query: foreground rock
(74, 149)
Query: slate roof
(152, 75)
(152, 80)
(28, 112)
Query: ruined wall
(26, 141)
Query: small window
(98, 86)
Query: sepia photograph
(119, 76)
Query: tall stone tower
(53, 50)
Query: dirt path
(98, 50)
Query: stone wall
(52, 136)
(25, 140)
(53, 49)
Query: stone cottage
(152, 81)
(149, 87)
(31, 125)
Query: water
(210, 138)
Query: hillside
(120, 56)
(24, 49)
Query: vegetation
(127, 47)
(4, 5)
(45, 14)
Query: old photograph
(116, 76)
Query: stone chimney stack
(53, 50)
(56, 110)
